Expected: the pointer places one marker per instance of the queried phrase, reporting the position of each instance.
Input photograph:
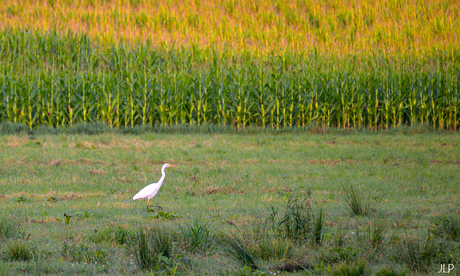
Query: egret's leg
(148, 205)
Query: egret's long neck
(163, 174)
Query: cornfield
(259, 26)
(48, 79)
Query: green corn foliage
(64, 79)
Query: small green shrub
(18, 199)
(166, 215)
(51, 199)
(83, 215)
(18, 251)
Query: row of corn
(58, 81)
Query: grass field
(218, 201)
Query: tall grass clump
(83, 253)
(272, 248)
(448, 227)
(8, 229)
(266, 245)
(418, 254)
(350, 270)
(357, 202)
(197, 237)
(113, 234)
(297, 223)
(155, 249)
(318, 228)
(13, 242)
(238, 249)
(376, 233)
(250, 247)
(17, 250)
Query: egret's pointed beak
(172, 165)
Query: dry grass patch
(56, 162)
(59, 197)
(241, 221)
(154, 162)
(137, 143)
(23, 160)
(163, 143)
(124, 179)
(160, 162)
(250, 161)
(73, 196)
(59, 161)
(87, 144)
(216, 190)
(87, 161)
(416, 144)
(330, 161)
(301, 144)
(47, 219)
(97, 171)
(284, 189)
(16, 141)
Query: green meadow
(309, 137)
(329, 204)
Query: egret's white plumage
(151, 190)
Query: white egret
(151, 190)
